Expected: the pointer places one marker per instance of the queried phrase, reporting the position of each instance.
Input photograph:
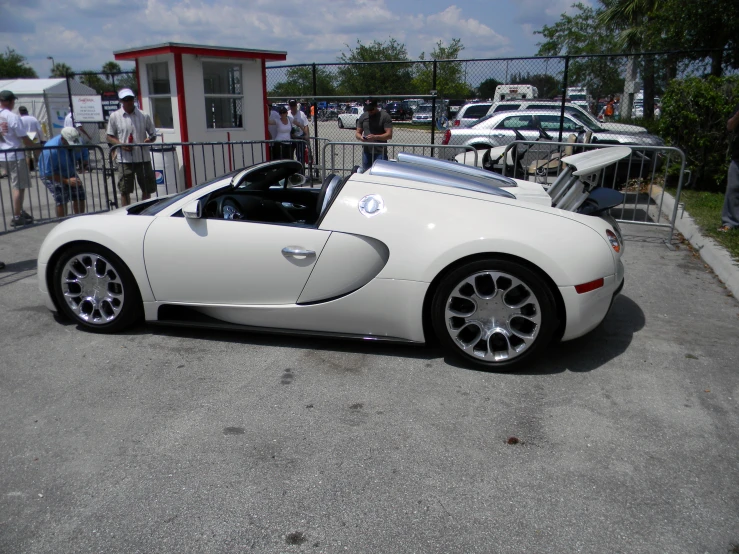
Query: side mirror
(193, 210)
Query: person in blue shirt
(57, 169)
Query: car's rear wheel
(94, 288)
(494, 313)
(341, 124)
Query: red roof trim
(182, 110)
(200, 51)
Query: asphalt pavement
(171, 440)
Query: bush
(694, 116)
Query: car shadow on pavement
(606, 342)
(16, 271)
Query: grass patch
(705, 207)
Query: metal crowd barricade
(343, 157)
(642, 176)
(180, 165)
(40, 202)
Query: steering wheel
(228, 208)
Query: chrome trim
(297, 251)
(435, 176)
(446, 165)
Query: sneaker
(28, 217)
(18, 221)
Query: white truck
(515, 92)
(580, 97)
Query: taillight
(592, 285)
(613, 239)
(447, 137)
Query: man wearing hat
(373, 126)
(57, 170)
(127, 126)
(13, 136)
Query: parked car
(471, 113)
(399, 110)
(515, 105)
(349, 120)
(423, 114)
(506, 127)
(356, 258)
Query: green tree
(375, 78)
(450, 78)
(701, 25)
(487, 88)
(111, 67)
(60, 70)
(14, 66)
(694, 115)
(93, 80)
(299, 82)
(582, 33)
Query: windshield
(167, 201)
(423, 109)
(485, 118)
(586, 121)
(578, 97)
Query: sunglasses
(128, 99)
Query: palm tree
(61, 70)
(632, 18)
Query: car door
(219, 261)
(504, 132)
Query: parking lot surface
(171, 440)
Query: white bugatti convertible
(493, 267)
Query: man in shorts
(13, 136)
(128, 126)
(57, 169)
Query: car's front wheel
(495, 313)
(94, 288)
(341, 124)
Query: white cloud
(84, 33)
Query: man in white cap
(57, 170)
(13, 136)
(128, 126)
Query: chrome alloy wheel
(493, 316)
(92, 288)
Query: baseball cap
(293, 102)
(125, 93)
(370, 104)
(71, 135)
(7, 96)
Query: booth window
(224, 96)
(160, 95)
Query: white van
(580, 97)
(515, 92)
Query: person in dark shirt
(730, 211)
(373, 126)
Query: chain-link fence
(620, 94)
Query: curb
(715, 255)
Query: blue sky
(84, 33)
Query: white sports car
(410, 249)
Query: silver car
(471, 113)
(500, 129)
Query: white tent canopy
(47, 100)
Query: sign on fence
(87, 109)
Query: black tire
(121, 288)
(341, 124)
(499, 346)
